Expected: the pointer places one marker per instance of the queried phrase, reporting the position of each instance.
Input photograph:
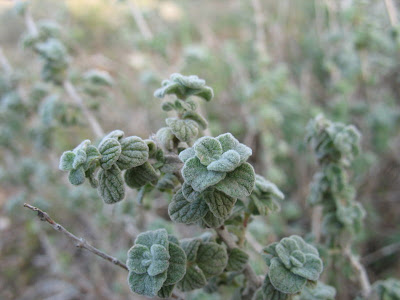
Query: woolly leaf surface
(111, 185)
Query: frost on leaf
(154, 263)
(111, 185)
(182, 211)
(134, 152)
(184, 130)
(187, 154)
(110, 150)
(141, 175)
(207, 149)
(291, 263)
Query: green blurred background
(273, 65)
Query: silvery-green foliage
(183, 211)
(165, 137)
(184, 86)
(137, 177)
(205, 259)
(111, 186)
(265, 197)
(48, 29)
(319, 291)
(225, 154)
(237, 260)
(388, 289)
(55, 60)
(155, 264)
(268, 292)
(333, 142)
(78, 161)
(292, 262)
(184, 130)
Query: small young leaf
(237, 260)
(66, 161)
(193, 279)
(211, 220)
(110, 149)
(139, 176)
(149, 238)
(184, 130)
(159, 260)
(77, 176)
(165, 137)
(182, 211)
(228, 162)
(219, 203)
(239, 183)
(198, 176)
(207, 149)
(134, 152)
(92, 154)
(116, 134)
(111, 185)
(211, 259)
(186, 154)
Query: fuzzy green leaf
(77, 176)
(110, 150)
(182, 211)
(146, 285)
(187, 154)
(140, 176)
(193, 279)
(210, 220)
(270, 293)
(190, 246)
(134, 152)
(116, 134)
(111, 185)
(166, 291)
(189, 193)
(92, 154)
(239, 183)
(135, 257)
(66, 161)
(165, 137)
(311, 269)
(159, 260)
(149, 238)
(198, 176)
(211, 259)
(237, 260)
(219, 203)
(177, 264)
(228, 162)
(283, 280)
(207, 149)
(184, 130)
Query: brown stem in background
(361, 272)
(139, 19)
(80, 242)
(391, 10)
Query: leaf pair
(155, 264)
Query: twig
(391, 10)
(139, 19)
(80, 242)
(260, 32)
(378, 254)
(71, 90)
(362, 273)
(316, 218)
(253, 281)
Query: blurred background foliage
(273, 66)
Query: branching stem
(80, 242)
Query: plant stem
(253, 281)
(5, 63)
(360, 269)
(391, 10)
(140, 21)
(80, 242)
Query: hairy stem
(80, 242)
(253, 281)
